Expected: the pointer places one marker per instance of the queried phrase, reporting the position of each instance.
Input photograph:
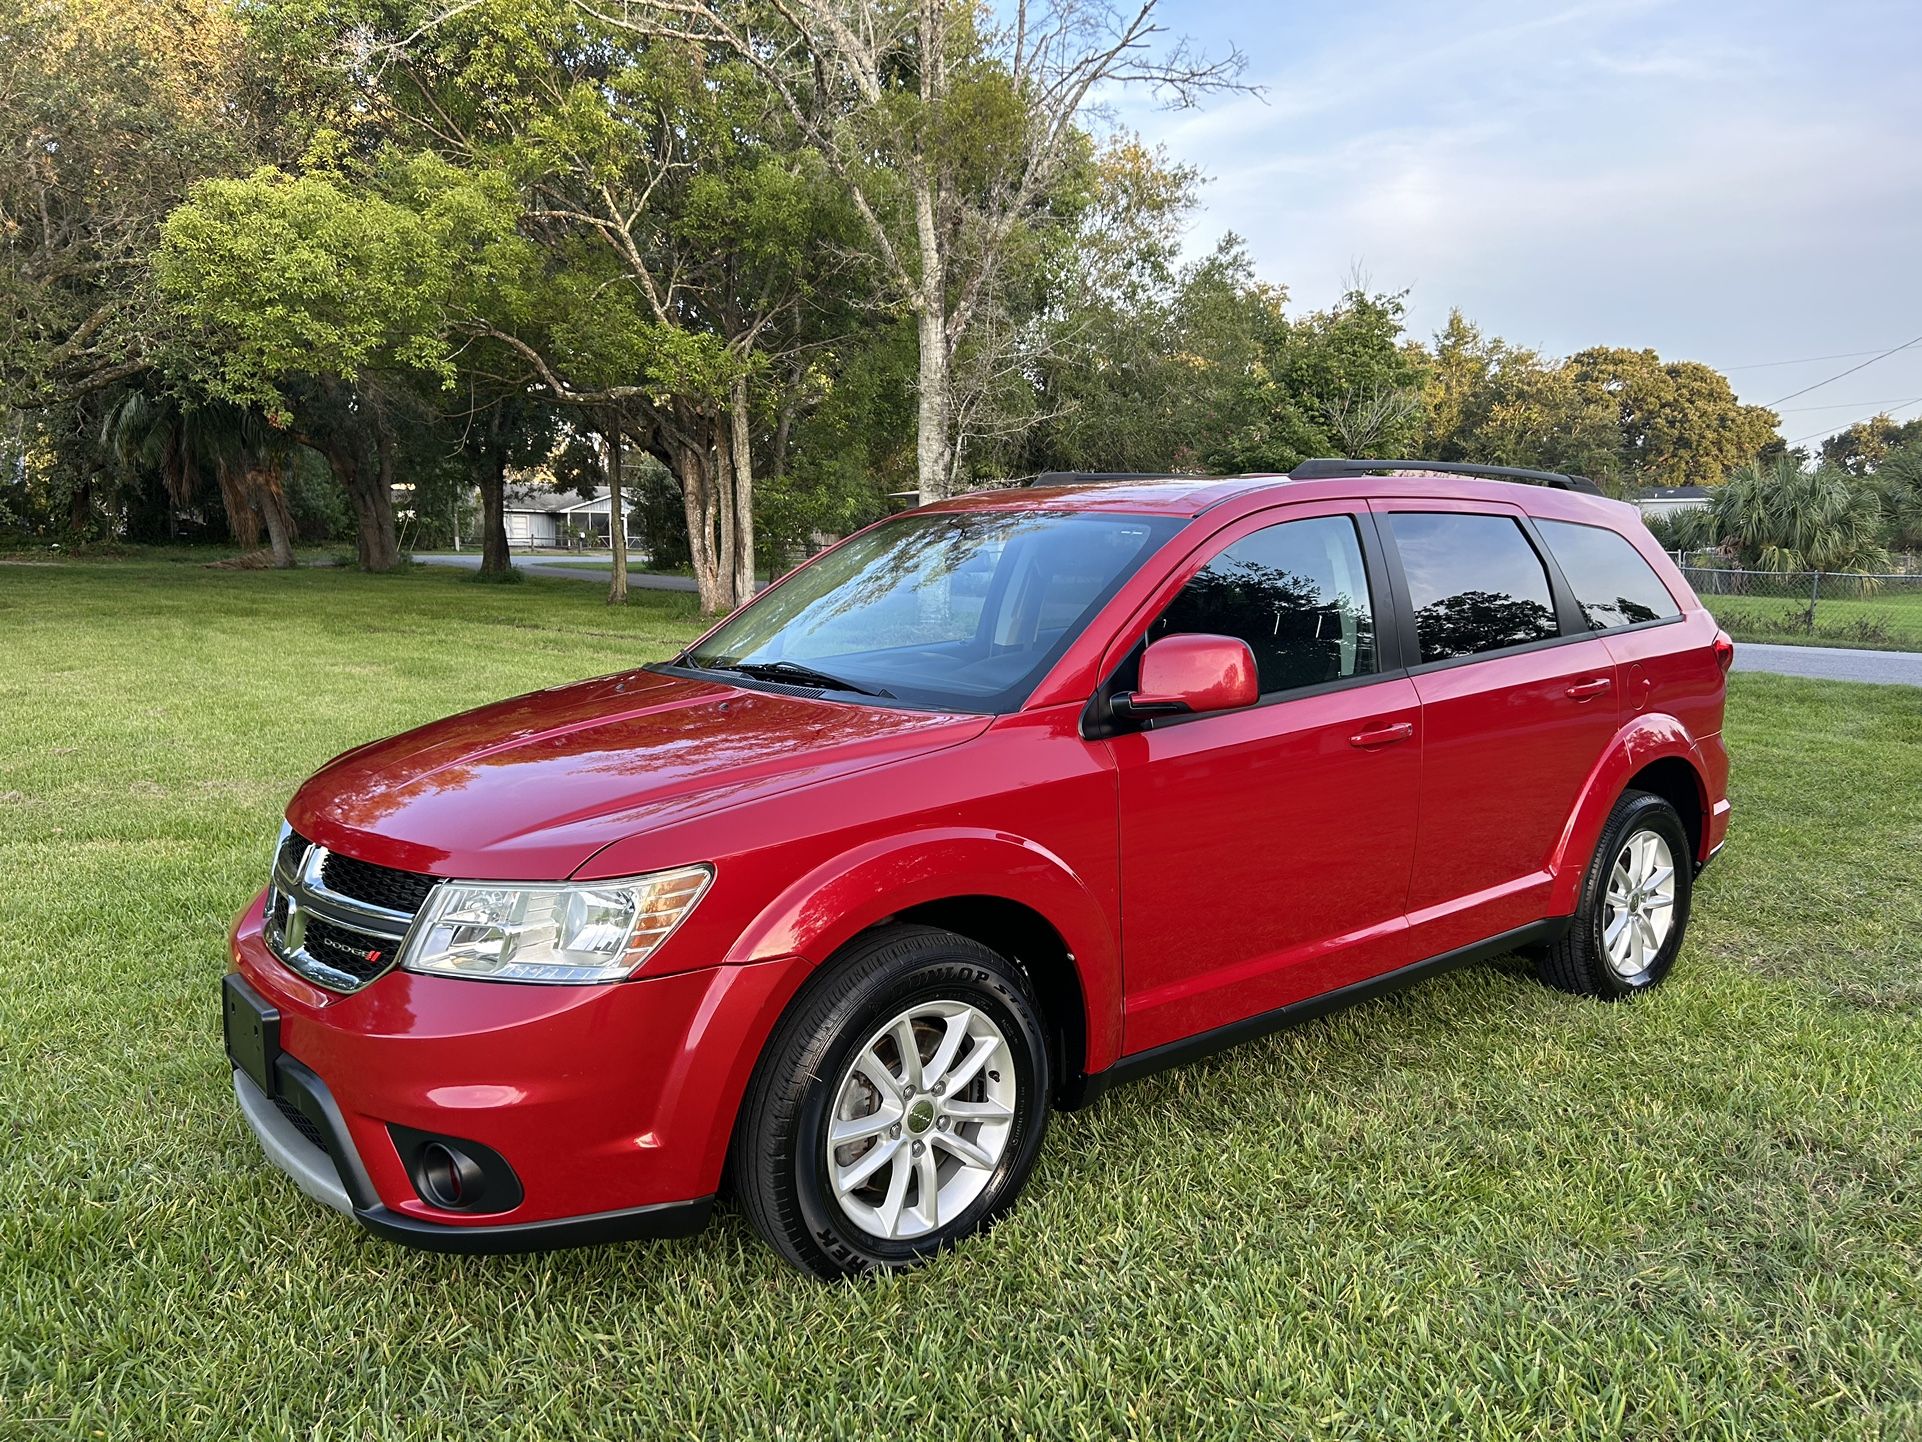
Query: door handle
(1582, 690)
(1383, 735)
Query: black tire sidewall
(1637, 811)
(982, 980)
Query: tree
(109, 111)
(189, 444)
(1865, 445)
(1679, 421)
(948, 129)
(1780, 517)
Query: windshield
(956, 610)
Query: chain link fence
(1824, 608)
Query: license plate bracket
(252, 1030)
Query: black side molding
(1086, 1089)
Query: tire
(823, 1066)
(1616, 945)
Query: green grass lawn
(1476, 1210)
(1889, 618)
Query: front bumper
(612, 1104)
(343, 1185)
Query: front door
(1265, 853)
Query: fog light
(449, 1177)
(455, 1174)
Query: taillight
(1724, 651)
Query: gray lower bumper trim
(311, 1168)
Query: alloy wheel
(1638, 911)
(921, 1119)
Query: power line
(1855, 405)
(1834, 430)
(1800, 361)
(1884, 355)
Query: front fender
(821, 911)
(1644, 740)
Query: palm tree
(190, 442)
(1775, 516)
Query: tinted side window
(1475, 583)
(1297, 593)
(1615, 586)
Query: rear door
(1518, 699)
(1265, 852)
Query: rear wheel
(1634, 905)
(898, 1108)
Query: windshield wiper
(795, 672)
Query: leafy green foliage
(1776, 516)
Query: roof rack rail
(1328, 467)
(1081, 478)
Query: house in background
(540, 516)
(1666, 501)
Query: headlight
(589, 931)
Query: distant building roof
(547, 500)
(1675, 493)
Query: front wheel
(898, 1108)
(1634, 905)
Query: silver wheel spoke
(889, 1212)
(984, 1047)
(910, 1048)
(927, 1173)
(866, 1166)
(967, 1151)
(978, 1111)
(884, 1081)
(858, 1129)
(944, 1054)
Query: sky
(1735, 183)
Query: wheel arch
(1010, 894)
(1651, 753)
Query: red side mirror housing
(1192, 674)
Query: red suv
(992, 805)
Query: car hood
(530, 788)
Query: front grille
(360, 954)
(303, 1123)
(375, 885)
(336, 920)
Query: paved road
(554, 566)
(1831, 663)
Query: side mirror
(1192, 674)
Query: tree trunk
(496, 560)
(616, 517)
(80, 508)
(237, 500)
(931, 428)
(374, 543)
(279, 516)
(740, 444)
(691, 469)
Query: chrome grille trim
(297, 881)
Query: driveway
(1831, 663)
(594, 569)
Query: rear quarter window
(1614, 585)
(1474, 581)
